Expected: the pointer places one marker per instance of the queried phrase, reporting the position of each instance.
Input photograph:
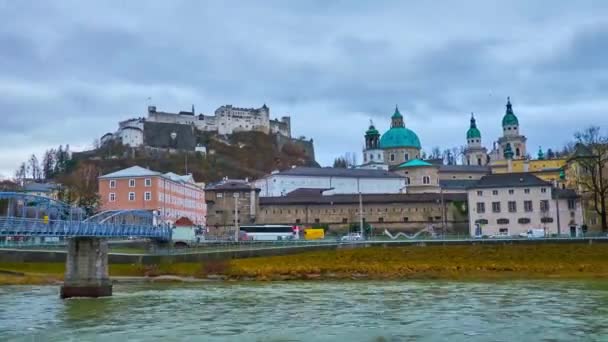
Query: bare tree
(435, 153)
(34, 167)
(21, 173)
(591, 155)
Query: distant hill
(240, 155)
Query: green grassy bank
(569, 261)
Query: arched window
(371, 156)
(426, 180)
(392, 157)
(407, 180)
(517, 151)
(379, 157)
(365, 157)
(479, 161)
(406, 156)
(468, 160)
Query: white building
(227, 120)
(334, 180)
(512, 203)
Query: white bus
(270, 232)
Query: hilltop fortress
(227, 120)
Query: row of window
(380, 220)
(147, 183)
(512, 206)
(425, 180)
(406, 156)
(335, 211)
(511, 191)
(131, 196)
(521, 220)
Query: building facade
(397, 212)
(513, 203)
(333, 180)
(227, 197)
(172, 196)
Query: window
(523, 220)
(502, 221)
(544, 205)
(479, 193)
(112, 197)
(426, 180)
(571, 204)
(405, 219)
(112, 184)
(495, 207)
(131, 196)
(481, 221)
(379, 158)
(147, 196)
(546, 219)
(131, 183)
(344, 220)
(526, 191)
(494, 192)
(392, 157)
(543, 190)
(481, 207)
(511, 191)
(503, 231)
(219, 195)
(317, 220)
(381, 219)
(148, 182)
(407, 180)
(298, 221)
(512, 206)
(528, 206)
(406, 156)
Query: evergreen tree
(48, 164)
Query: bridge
(32, 216)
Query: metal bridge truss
(19, 226)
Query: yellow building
(546, 169)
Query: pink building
(174, 196)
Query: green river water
(313, 311)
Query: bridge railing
(18, 226)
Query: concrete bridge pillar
(86, 269)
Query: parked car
(352, 237)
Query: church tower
(511, 143)
(475, 153)
(373, 156)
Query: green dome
(473, 132)
(399, 137)
(509, 119)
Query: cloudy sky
(70, 70)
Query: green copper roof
(473, 132)
(397, 114)
(399, 137)
(541, 154)
(372, 130)
(562, 174)
(415, 163)
(509, 119)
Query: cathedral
(400, 145)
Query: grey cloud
(70, 70)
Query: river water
(314, 311)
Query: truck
(314, 234)
(533, 233)
(183, 237)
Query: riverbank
(573, 261)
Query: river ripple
(314, 311)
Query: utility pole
(236, 216)
(361, 214)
